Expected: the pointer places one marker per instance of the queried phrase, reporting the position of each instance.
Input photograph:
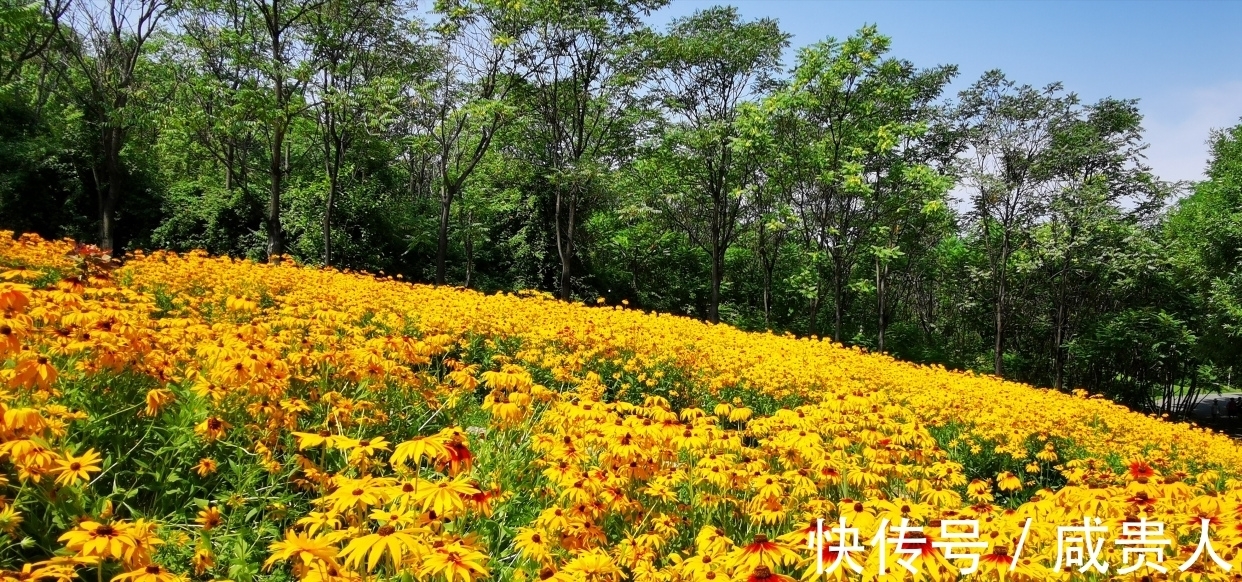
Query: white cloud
(1179, 124)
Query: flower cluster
(183, 416)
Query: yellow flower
(148, 573)
(446, 497)
(10, 519)
(36, 371)
(209, 518)
(202, 560)
(415, 450)
(205, 467)
(359, 493)
(533, 543)
(72, 470)
(212, 429)
(1007, 481)
(319, 520)
(145, 541)
(157, 400)
(387, 541)
(302, 549)
(979, 491)
(761, 552)
(103, 540)
(364, 447)
(594, 566)
(454, 561)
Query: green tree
(707, 65)
(1009, 130)
(104, 48)
(581, 93)
(852, 121)
(1204, 231)
(363, 60)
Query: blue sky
(1182, 60)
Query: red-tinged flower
(460, 457)
(922, 542)
(765, 574)
(1141, 470)
(999, 559)
(762, 552)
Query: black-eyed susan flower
(303, 549)
(71, 470)
(206, 466)
(386, 544)
(148, 573)
(92, 539)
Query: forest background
(567, 146)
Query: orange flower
(205, 467)
(212, 429)
(761, 552)
(1141, 470)
(34, 371)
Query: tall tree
(363, 60)
(26, 32)
(463, 106)
(1096, 164)
(104, 45)
(1009, 132)
(857, 119)
(707, 65)
(1204, 232)
(285, 65)
(583, 88)
(215, 80)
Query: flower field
(189, 417)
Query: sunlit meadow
(183, 417)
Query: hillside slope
(278, 420)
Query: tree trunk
(275, 238)
(713, 310)
(881, 320)
(1058, 356)
(838, 298)
(812, 326)
(327, 220)
(767, 299)
(469, 247)
(334, 180)
(565, 240)
(229, 164)
(446, 200)
(767, 263)
(108, 202)
(1058, 361)
(998, 348)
